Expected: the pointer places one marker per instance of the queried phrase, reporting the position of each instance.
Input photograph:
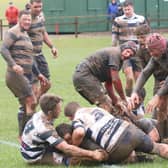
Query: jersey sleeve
(51, 137)
(115, 62)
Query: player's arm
(50, 45)
(8, 41)
(109, 87)
(78, 135)
(79, 152)
(117, 83)
(115, 33)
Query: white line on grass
(12, 144)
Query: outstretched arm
(79, 152)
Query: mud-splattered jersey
(38, 133)
(100, 125)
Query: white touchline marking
(9, 143)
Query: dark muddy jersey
(17, 48)
(100, 62)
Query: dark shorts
(133, 62)
(20, 85)
(132, 139)
(42, 65)
(146, 124)
(89, 86)
(89, 144)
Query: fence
(78, 24)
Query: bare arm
(109, 88)
(50, 45)
(79, 152)
(77, 136)
(117, 83)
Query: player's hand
(123, 105)
(155, 102)
(54, 52)
(18, 69)
(43, 80)
(134, 100)
(100, 155)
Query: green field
(71, 51)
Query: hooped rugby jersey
(37, 135)
(100, 126)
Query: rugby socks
(22, 119)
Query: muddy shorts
(20, 85)
(42, 65)
(89, 86)
(132, 139)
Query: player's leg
(91, 88)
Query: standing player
(123, 29)
(38, 35)
(157, 47)
(17, 50)
(102, 67)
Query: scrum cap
(156, 41)
(129, 44)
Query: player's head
(142, 32)
(70, 109)
(156, 44)
(36, 7)
(128, 8)
(129, 45)
(128, 49)
(143, 29)
(65, 130)
(50, 105)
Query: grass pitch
(71, 51)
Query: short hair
(48, 102)
(63, 129)
(10, 3)
(143, 29)
(24, 12)
(127, 3)
(71, 108)
(38, 1)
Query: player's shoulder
(140, 17)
